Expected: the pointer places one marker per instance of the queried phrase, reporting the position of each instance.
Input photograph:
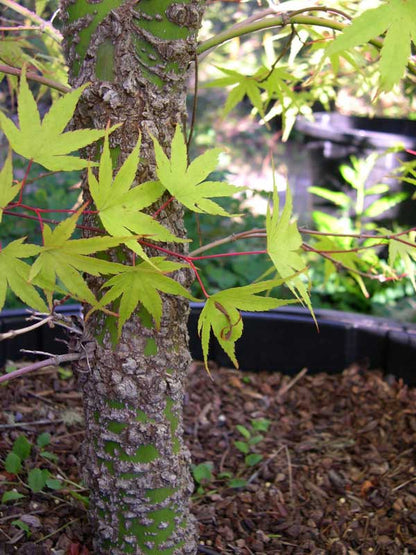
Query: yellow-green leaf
(405, 252)
(119, 203)
(46, 142)
(186, 183)
(395, 18)
(221, 314)
(14, 273)
(283, 246)
(8, 191)
(142, 284)
(63, 259)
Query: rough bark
(137, 56)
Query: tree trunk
(136, 55)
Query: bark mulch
(325, 464)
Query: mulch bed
(337, 474)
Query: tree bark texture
(136, 55)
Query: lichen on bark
(135, 461)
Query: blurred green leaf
(43, 439)
(242, 446)
(22, 447)
(37, 479)
(11, 496)
(253, 459)
(13, 463)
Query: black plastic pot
(284, 340)
(332, 138)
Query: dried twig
(10, 70)
(404, 484)
(264, 463)
(69, 523)
(13, 333)
(54, 360)
(25, 424)
(285, 388)
(289, 471)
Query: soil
(335, 469)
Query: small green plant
(233, 481)
(17, 464)
(353, 209)
(355, 214)
(252, 437)
(23, 526)
(202, 474)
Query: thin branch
(229, 239)
(198, 277)
(248, 27)
(356, 235)
(322, 9)
(69, 523)
(285, 388)
(50, 221)
(408, 243)
(267, 23)
(21, 331)
(354, 249)
(194, 105)
(9, 70)
(227, 254)
(261, 233)
(339, 264)
(40, 176)
(55, 360)
(36, 352)
(281, 55)
(43, 25)
(162, 207)
(33, 423)
(19, 28)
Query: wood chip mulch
(337, 472)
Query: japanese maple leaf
(46, 142)
(249, 85)
(61, 258)
(8, 191)
(395, 18)
(221, 314)
(14, 273)
(283, 246)
(186, 183)
(119, 204)
(405, 251)
(348, 260)
(142, 284)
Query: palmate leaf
(45, 141)
(142, 284)
(244, 85)
(280, 85)
(16, 51)
(405, 252)
(348, 260)
(14, 273)
(283, 245)
(65, 259)
(185, 182)
(119, 204)
(8, 191)
(337, 197)
(395, 18)
(221, 314)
